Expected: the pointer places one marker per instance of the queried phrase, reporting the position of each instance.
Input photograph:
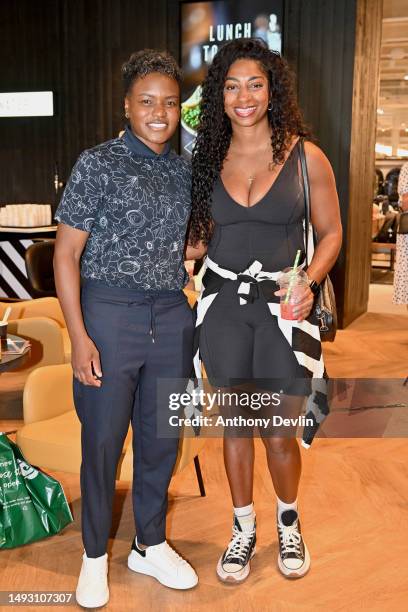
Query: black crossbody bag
(325, 301)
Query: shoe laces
(239, 544)
(172, 555)
(290, 538)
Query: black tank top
(271, 231)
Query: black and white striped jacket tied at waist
(303, 336)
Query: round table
(8, 362)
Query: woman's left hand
(304, 306)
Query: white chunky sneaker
(294, 558)
(92, 590)
(163, 563)
(235, 563)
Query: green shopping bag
(32, 504)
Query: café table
(9, 362)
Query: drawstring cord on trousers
(152, 321)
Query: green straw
(292, 278)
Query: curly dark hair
(214, 131)
(144, 62)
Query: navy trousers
(141, 337)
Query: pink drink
(287, 311)
(294, 283)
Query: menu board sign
(205, 27)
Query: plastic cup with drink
(293, 280)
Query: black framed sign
(205, 27)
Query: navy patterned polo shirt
(135, 204)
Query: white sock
(282, 506)
(246, 517)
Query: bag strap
(306, 189)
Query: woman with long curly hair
(248, 216)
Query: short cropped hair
(144, 62)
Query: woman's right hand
(86, 362)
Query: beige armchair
(41, 307)
(47, 347)
(51, 435)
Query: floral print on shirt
(136, 211)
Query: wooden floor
(353, 503)
(373, 346)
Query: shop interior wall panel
(334, 49)
(74, 48)
(98, 36)
(362, 158)
(29, 36)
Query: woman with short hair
(122, 226)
